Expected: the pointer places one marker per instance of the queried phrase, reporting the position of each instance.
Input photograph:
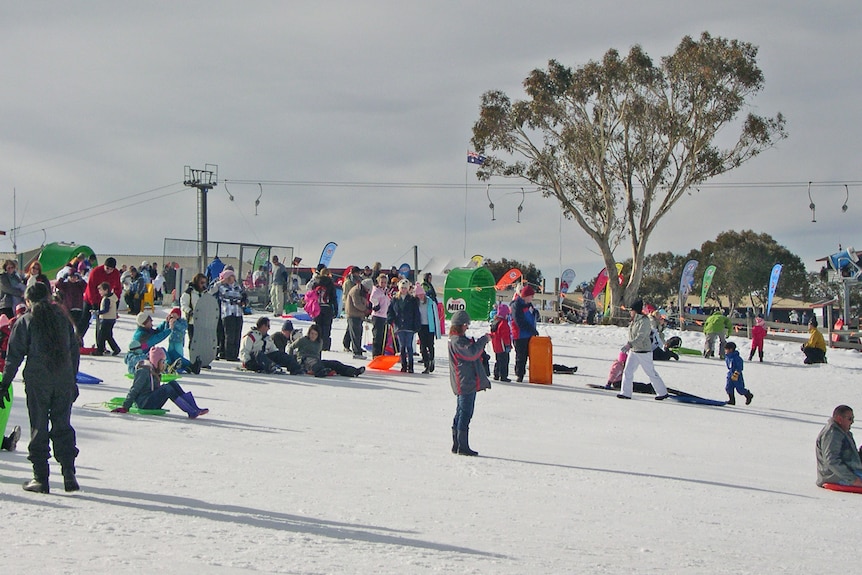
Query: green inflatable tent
(471, 290)
(55, 255)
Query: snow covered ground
(303, 475)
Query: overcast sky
(104, 102)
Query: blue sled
(87, 379)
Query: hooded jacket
(837, 458)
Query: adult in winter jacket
(258, 351)
(406, 320)
(429, 327)
(718, 326)
(278, 286)
(353, 278)
(640, 348)
(308, 350)
(189, 300)
(147, 391)
(357, 308)
(71, 289)
(232, 299)
(815, 348)
(379, 312)
(523, 328)
(660, 350)
(135, 292)
(328, 300)
(11, 288)
(467, 376)
(837, 456)
(46, 337)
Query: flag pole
(466, 175)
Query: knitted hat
(142, 318)
(176, 311)
(460, 318)
(368, 284)
(226, 273)
(287, 326)
(418, 291)
(637, 306)
(157, 354)
(527, 291)
(503, 310)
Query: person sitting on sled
(147, 391)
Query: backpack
(312, 303)
(322, 295)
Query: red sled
(87, 350)
(383, 362)
(845, 488)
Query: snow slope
(303, 475)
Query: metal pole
(202, 228)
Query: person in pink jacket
(758, 334)
(501, 340)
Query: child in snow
(107, 319)
(615, 376)
(501, 340)
(147, 392)
(467, 376)
(758, 334)
(735, 381)
(177, 343)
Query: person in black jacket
(404, 316)
(46, 336)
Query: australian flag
(474, 158)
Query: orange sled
(383, 362)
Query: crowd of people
(46, 321)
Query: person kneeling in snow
(177, 343)
(258, 352)
(308, 350)
(147, 392)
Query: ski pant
(232, 334)
(426, 344)
(285, 360)
(52, 405)
(324, 322)
(814, 355)
(88, 309)
(710, 343)
(105, 336)
(354, 330)
(77, 316)
(641, 359)
(158, 398)
(405, 342)
(378, 332)
(522, 353)
(738, 385)
(464, 411)
(501, 366)
(276, 295)
(324, 366)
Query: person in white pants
(639, 348)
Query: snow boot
(748, 397)
(731, 399)
(464, 443)
(455, 440)
(37, 485)
(196, 366)
(10, 442)
(186, 402)
(69, 482)
(431, 366)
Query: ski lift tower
(845, 268)
(204, 180)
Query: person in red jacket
(758, 334)
(106, 272)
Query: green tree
(618, 142)
(529, 271)
(744, 262)
(661, 274)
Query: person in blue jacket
(735, 381)
(524, 321)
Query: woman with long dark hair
(46, 336)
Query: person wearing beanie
(144, 338)
(639, 349)
(232, 298)
(758, 335)
(467, 376)
(147, 391)
(176, 361)
(406, 319)
(815, 348)
(501, 340)
(259, 353)
(286, 336)
(46, 337)
(429, 327)
(523, 328)
(354, 277)
(735, 380)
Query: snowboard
(204, 343)
(7, 409)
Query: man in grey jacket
(639, 348)
(837, 457)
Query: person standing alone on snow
(640, 346)
(523, 328)
(758, 335)
(467, 376)
(735, 381)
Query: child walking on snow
(758, 334)
(735, 381)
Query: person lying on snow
(308, 350)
